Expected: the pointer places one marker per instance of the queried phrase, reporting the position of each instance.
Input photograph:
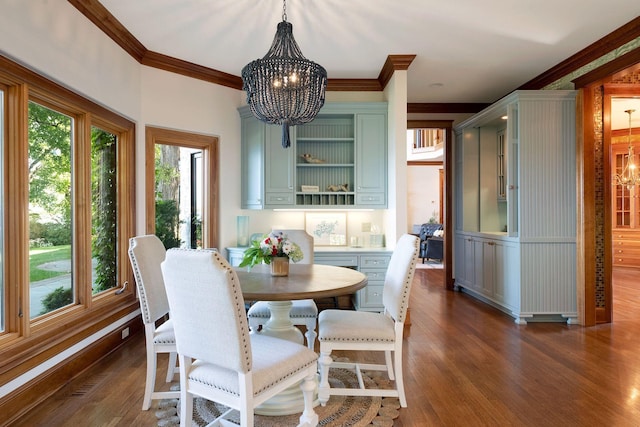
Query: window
(182, 208)
(71, 215)
(425, 143)
(50, 210)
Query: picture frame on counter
(327, 228)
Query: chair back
(146, 253)
(302, 239)
(207, 308)
(397, 282)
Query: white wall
(423, 194)
(56, 40)
(176, 102)
(396, 215)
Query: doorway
(436, 134)
(181, 183)
(622, 214)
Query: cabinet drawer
(626, 250)
(370, 199)
(371, 296)
(626, 245)
(375, 277)
(626, 235)
(279, 199)
(339, 260)
(626, 261)
(375, 261)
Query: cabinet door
(506, 283)
(371, 160)
(488, 268)
(279, 169)
(252, 163)
(470, 262)
(459, 260)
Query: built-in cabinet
(625, 207)
(372, 262)
(489, 267)
(515, 205)
(337, 160)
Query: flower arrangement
(275, 244)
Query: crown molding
(443, 107)
(612, 41)
(104, 20)
(392, 64)
(360, 85)
(189, 69)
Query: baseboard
(27, 397)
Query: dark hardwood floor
(466, 364)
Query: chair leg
(186, 398)
(399, 378)
(152, 358)
(308, 386)
(246, 413)
(325, 361)
(387, 360)
(172, 367)
(186, 409)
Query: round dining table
(305, 281)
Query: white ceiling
(466, 50)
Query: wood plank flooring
(466, 364)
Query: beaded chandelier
(284, 87)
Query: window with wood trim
(68, 212)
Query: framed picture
(327, 228)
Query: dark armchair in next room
(431, 247)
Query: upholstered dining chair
(369, 331)
(219, 359)
(303, 312)
(146, 253)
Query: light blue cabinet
(252, 161)
(345, 166)
(371, 262)
(267, 169)
(278, 169)
(514, 196)
(371, 160)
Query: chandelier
(629, 176)
(284, 87)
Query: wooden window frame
(209, 146)
(27, 343)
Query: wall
(423, 194)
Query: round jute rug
(340, 410)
